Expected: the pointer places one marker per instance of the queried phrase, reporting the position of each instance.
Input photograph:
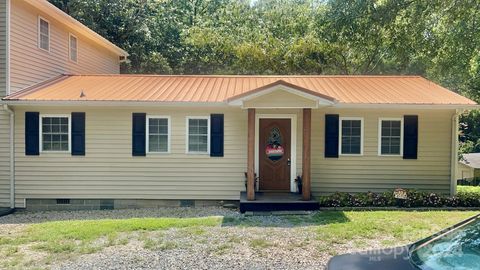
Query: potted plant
(298, 181)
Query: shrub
(386, 199)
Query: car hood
(380, 259)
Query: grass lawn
(468, 189)
(40, 244)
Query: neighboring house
(469, 166)
(103, 141)
(38, 42)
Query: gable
(280, 99)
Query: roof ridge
(247, 76)
(37, 86)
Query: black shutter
(331, 135)
(138, 134)
(216, 135)
(78, 134)
(32, 139)
(410, 137)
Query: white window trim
(69, 132)
(70, 35)
(148, 133)
(187, 126)
(49, 34)
(340, 135)
(380, 136)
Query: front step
(267, 202)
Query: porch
(276, 201)
(272, 146)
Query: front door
(274, 154)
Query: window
(73, 44)
(390, 136)
(55, 133)
(198, 134)
(351, 136)
(158, 134)
(43, 34)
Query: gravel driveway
(267, 242)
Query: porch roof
(406, 90)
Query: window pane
(396, 124)
(163, 143)
(351, 136)
(202, 148)
(44, 35)
(44, 42)
(158, 134)
(198, 135)
(390, 137)
(55, 133)
(44, 27)
(395, 131)
(356, 131)
(385, 131)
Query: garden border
(399, 208)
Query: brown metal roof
(160, 88)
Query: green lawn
(468, 189)
(68, 239)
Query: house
(93, 139)
(469, 167)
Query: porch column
(307, 130)
(251, 156)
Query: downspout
(12, 155)
(454, 157)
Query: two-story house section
(39, 42)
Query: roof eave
(407, 106)
(20, 102)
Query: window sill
(43, 50)
(158, 153)
(197, 153)
(54, 152)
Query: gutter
(454, 153)
(12, 101)
(12, 155)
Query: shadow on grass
(282, 221)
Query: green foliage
(470, 132)
(437, 39)
(468, 189)
(414, 199)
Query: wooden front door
(274, 154)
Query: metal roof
(413, 90)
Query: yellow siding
(3, 48)
(109, 171)
(370, 172)
(4, 159)
(31, 65)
